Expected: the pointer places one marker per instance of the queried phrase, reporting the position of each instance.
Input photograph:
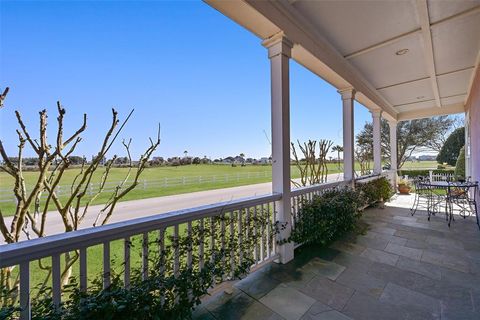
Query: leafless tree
(363, 154)
(312, 170)
(34, 202)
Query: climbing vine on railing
(179, 275)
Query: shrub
(326, 217)
(460, 166)
(375, 190)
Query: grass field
(258, 174)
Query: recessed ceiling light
(420, 97)
(401, 52)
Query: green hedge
(328, 216)
(424, 173)
(374, 191)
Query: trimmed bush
(374, 191)
(330, 215)
(326, 217)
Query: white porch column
(279, 52)
(377, 144)
(348, 96)
(393, 151)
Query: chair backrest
(421, 186)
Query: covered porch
(403, 61)
(394, 266)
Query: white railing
(23, 253)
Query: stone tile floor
(399, 267)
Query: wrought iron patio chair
(464, 197)
(423, 195)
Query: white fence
(440, 176)
(6, 195)
(437, 176)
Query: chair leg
(413, 208)
(415, 205)
(476, 213)
(451, 213)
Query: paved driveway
(145, 207)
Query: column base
(286, 252)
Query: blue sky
(181, 64)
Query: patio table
(457, 193)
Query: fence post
(430, 174)
(165, 183)
(183, 180)
(144, 184)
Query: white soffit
(442, 39)
(455, 83)
(453, 99)
(351, 26)
(456, 43)
(383, 67)
(359, 42)
(441, 9)
(410, 92)
(417, 105)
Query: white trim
(422, 10)
(431, 112)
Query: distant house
(238, 159)
(265, 160)
(426, 157)
(229, 160)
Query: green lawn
(412, 165)
(225, 176)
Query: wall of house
(473, 113)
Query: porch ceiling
(360, 44)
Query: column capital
(347, 93)
(278, 44)
(392, 123)
(376, 113)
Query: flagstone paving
(401, 267)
